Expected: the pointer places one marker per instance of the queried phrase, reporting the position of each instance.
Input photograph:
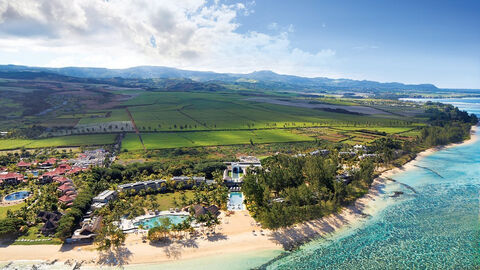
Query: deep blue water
(436, 228)
(19, 195)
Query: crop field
(104, 116)
(210, 138)
(76, 140)
(179, 111)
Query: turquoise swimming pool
(235, 201)
(155, 221)
(19, 195)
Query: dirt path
(136, 129)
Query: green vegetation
(33, 236)
(75, 140)
(209, 138)
(5, 209)
(288, 190)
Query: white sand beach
(237, 233)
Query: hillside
(255, 80)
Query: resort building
(50, 220)
(24, 165)
(235, 171)
(105, 196)
(88, 230)
(137, 186)
(322, 152)
(11, 178)
(200, 210)
(189, 181)
(90, 158)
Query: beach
(237, 234)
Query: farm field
(210, 138)
(179, 111)
(76, 140)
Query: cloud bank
(192, 34)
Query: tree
(110, 236)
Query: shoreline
(235, 234)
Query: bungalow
(47, 177)
(62, 180)
(87, 232)
(11, 178)
(66, 199)
(200, 210)
(66, 187)
(48, 163)
(24, 165)
(50, 220)
(74, 170)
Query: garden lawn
(4, 209)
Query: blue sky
(406, 41)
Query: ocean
(435, 228)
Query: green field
(179, 111)
(209, 138)
(75, 140)
(4, 209)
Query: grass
(113, 116)
(166, 199)
(4, 209)
(75, 140)
(210, 138)
(33, 233)
(179, 111)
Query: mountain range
(264, 79)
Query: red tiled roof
(75, 170)
(24, 164)
(66, 187)
(11, 175)
(49, 161)
(50, 174)
(65, 199)
(64, 166)
(61, 179)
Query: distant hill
(256, 80)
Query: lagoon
(436, 228)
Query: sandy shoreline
(234, 235)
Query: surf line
(405, 185)
(430, 170)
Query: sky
(421, 41)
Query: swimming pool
(19, 195)
(235, 201)
(155, 221)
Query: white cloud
(191, 34)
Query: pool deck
(235, 206)
(4, 202)
(128, 225)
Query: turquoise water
(19, 195)
(436, 228)
(235, 201)
(155, 221)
